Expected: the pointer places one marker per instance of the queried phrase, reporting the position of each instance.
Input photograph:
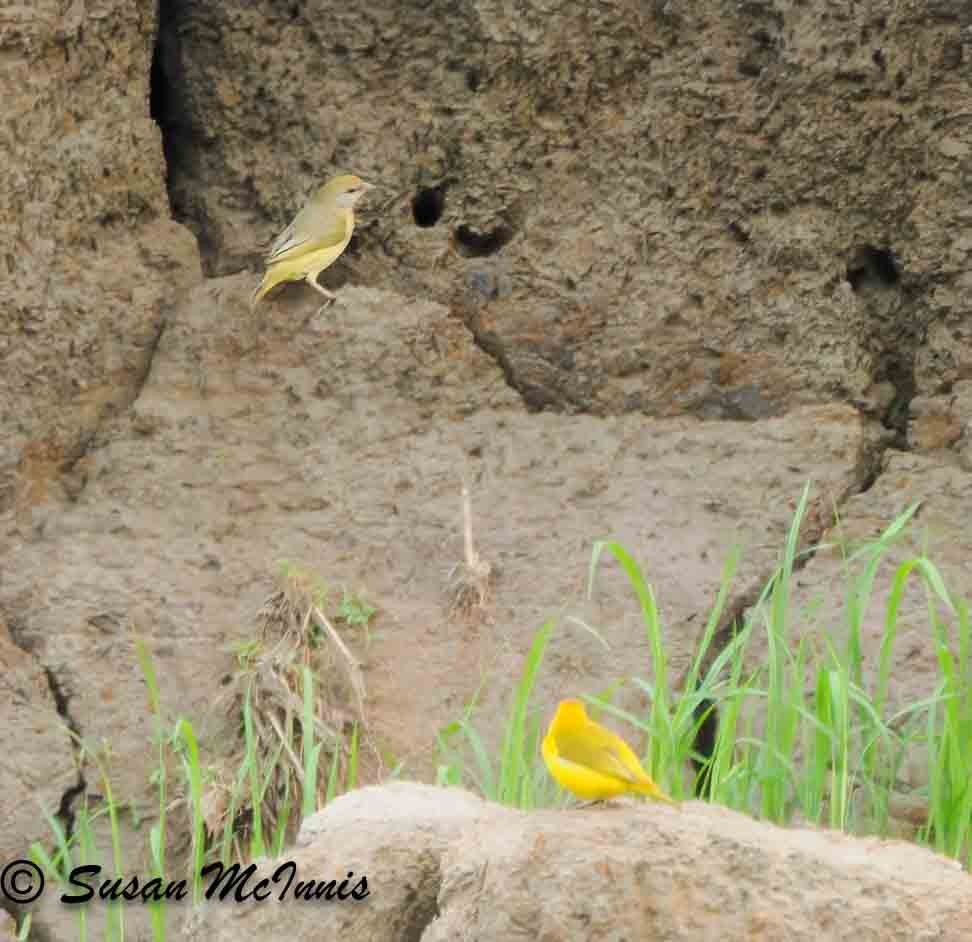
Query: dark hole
(165, 105)
(479, 244)
(879, 60)
(873, 267)
(885, 266)
(473, 80)
(158, 90)
(427, 206)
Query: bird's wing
(609, 762)
(307, 233)
(600, 756)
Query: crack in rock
(65, 810)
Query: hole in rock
(481, 244)
(871, 267)
(427, 206)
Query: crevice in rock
(869, 466)
(128, 396)
(421, 905)
(165, 108)
(65, 811)
(21, 637)
(551, 391)
(875, 276)
(490, 344)
(159, 93)
(145, 367)
(481, 287)
(541, 373)
(898, 369)
(420, 918)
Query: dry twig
(473, 579)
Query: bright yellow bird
(315, 239)
(592, 762)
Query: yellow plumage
(590, 761)
(315, 239)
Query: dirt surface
(634, 271)
(342, 446)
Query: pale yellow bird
(592, 762)
(315, 239)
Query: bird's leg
(320, 289)
(592, 804)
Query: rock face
(342, 445)
(734, 236)
(91, 257)
(723, 209)
(89, 261)
(444, 865)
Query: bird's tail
(651, 790)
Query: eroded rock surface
(91, 255)
(443, 865)
(724, 209)
(341, 444)
(732, 235)
(37, 768)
